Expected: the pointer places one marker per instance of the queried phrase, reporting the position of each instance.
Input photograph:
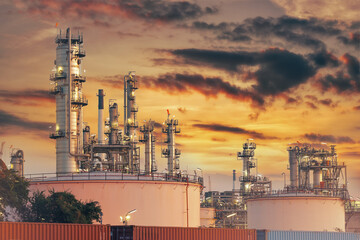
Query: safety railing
(98, 175)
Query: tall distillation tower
(149, 140)
(250, 183)
(70, 101)
(171, 153)
(130, 120)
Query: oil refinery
(108, 168)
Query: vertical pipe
(101, 116)
(293, 167)
(153, 160)
(234, 179)
(147, 136)
(70, 158)
(317, 177)
(125, 104)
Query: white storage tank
(207, 217)
(158, 202)
(297, 213)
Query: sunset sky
(277, 71)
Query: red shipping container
(53, 231)
(179, 233)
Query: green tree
(13, 193)
(61, 207)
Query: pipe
(187, 202)
(101, 116)
(234, 179)
(125, 104)
(293, 163)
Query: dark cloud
(352, 40)
(115, 81)
(103, 12)
(327, 138)
(8, 120)
(311, 105)
(236, 130)
(324, 59)
(278, 70)
(350, 154)
(353, 66)
(326, 102)
(208, 86)
(216, 139)
(357, 108)
(338, 82)
(26, 97)
(343, 82)
(127, 34)
(355, 25)
(303, 32)
(182, 109)
(157, 125)
(253, 116)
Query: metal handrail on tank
(97, 175)
(323, 192)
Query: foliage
(61, 207)
(13, 192)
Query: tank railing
(320, 192)
(97, 175)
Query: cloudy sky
(277, 71)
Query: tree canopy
(55, 207)
(13, 192)
(61, 207)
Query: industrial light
(231, 215)
(132, 211)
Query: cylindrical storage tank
(53, 231)
(296, 213)
(302, 235)
(17, 162)
(157, 203)
(178, 233)
(207, 217)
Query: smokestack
(101, 117)
(234, 179)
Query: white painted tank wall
(158, 203)
(308, 213)
(207, 217)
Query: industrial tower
(67, 88)
(149, 140)
(130, 120)
(321, 161)
(171, 153)
(250, 183)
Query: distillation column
(293, 165)
(67, 87)
(149, 140)
(171, 153)
(247, 156)
(130, 121)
